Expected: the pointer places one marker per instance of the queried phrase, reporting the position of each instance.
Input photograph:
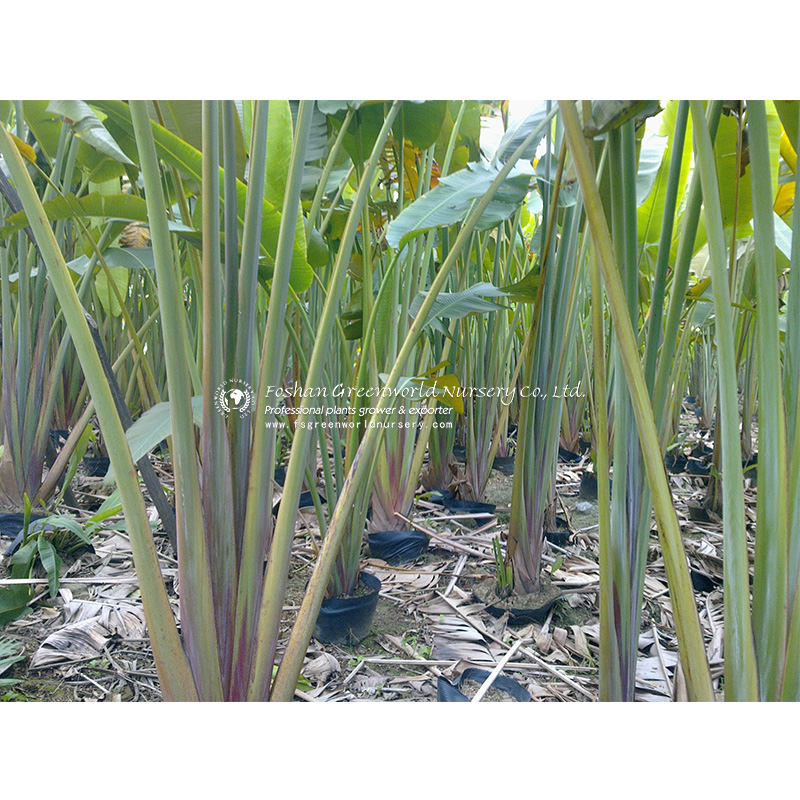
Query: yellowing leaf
(784, 200)
(412, 156)
(700, 287)
(25, 150)
(451, 394)
(440, 365)
(787, 152)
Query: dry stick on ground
(108, 579)
(487, 684)
(352, 674)
(412, 652)
(524, 650)
(444, 539)
(460, 564)
(304, 696)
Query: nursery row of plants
(334, 297)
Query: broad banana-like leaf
(105, 292)
(468, 142)
(788, 112)
(612, 114)
(449, 390)
(188, 160)
(421, 123)
(331, 107)
(183, 118)
(517, 133)
(153, 426)
(525, 290)
(46, 125)
(316, 150)
(783, 236)
(279, 156)
(14, 600)
(651, 157)
(88, 127)
(651, 208)
(117, 206)
(455, 305)
(738, 205)
(451, 201)
(127, 257)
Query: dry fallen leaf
(80, 640)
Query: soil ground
(90, 644)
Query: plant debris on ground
(90, 643)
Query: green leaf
(364, 128)
(455, 305)
(783, 236)
(738, 207)
(526, 290)
(651, 157)
(22, 560)
(317, 250)
(332, 107)
(651, 209)
(451, 201)
(787, 110)
(280, 137)
(117, 206)
(10, 653)
(63, 522)
(188, 160)
(279, 151)
(517, 133)
(612, 114)
(111, 507)
(88, 128)
(468, 141)
(108, 299)
(46, 125)
(122, 257)
(14, 602)
(421, 122)
(153, 426)
(184, 119)
(51, 562)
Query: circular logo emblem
(234, 397)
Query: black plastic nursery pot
(521, 609)
(567, 456)
(397, 547)
(12, 525)
(675, 462)
(306, 501)
(347, 620)
(456, 506)
(96, 466)
(561, 535)
(451, 692)
(504, 465)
